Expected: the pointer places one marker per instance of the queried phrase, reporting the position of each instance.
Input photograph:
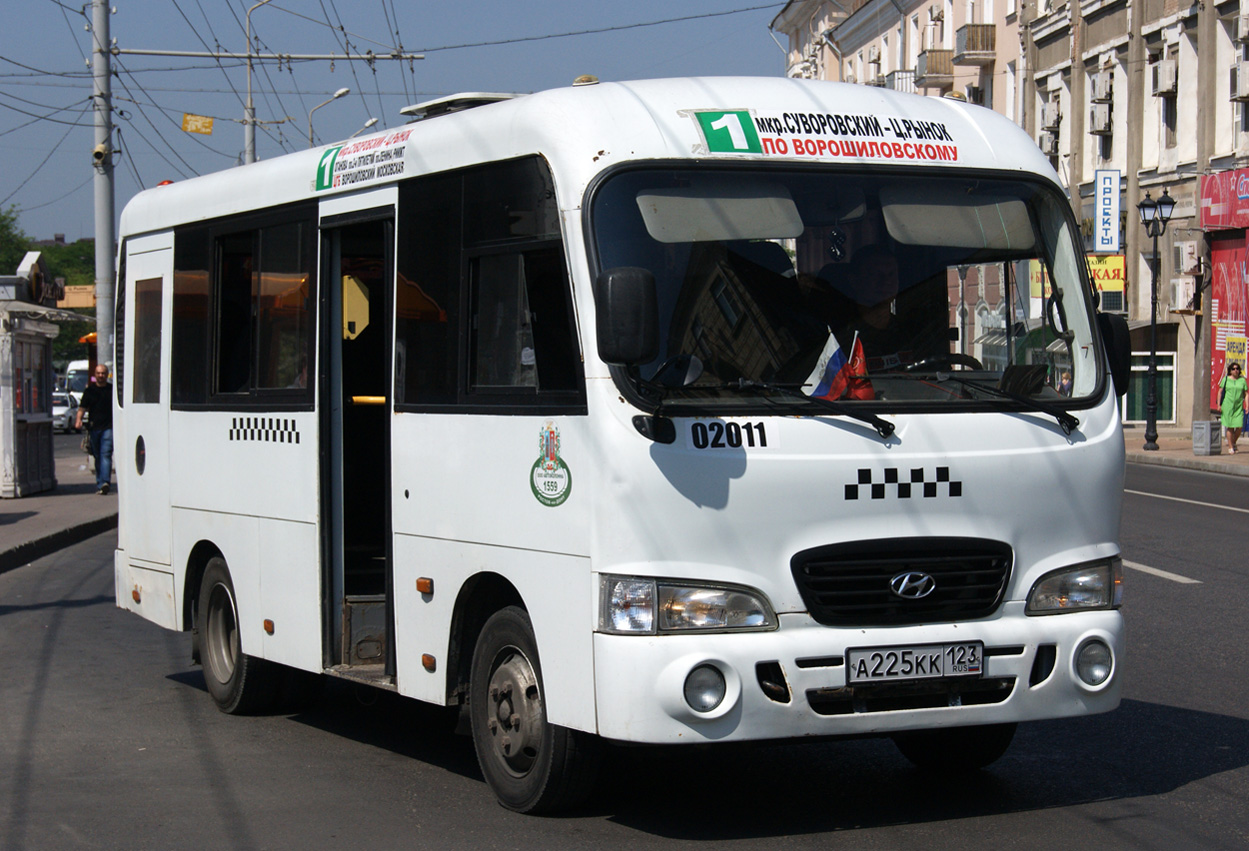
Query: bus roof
(583, 130)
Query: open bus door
(357, 260)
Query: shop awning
(39, 311)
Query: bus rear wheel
(239, 684)
(955, 749)
(531, 765)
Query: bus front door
(141, 444)
(358, 260)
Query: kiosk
(28, 317)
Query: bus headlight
(632, 605)
(1093, 585)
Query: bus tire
(531, 765)
(955, 749)
(239, 684)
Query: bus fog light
(704, 688)
(1094, 662)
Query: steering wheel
(938, 361)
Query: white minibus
(673, 412)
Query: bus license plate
(914, 662)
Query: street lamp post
(366, 126)
(340, 93)
(1154, 216)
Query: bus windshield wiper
(883, 427)
(1065, 420)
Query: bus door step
(364, 630)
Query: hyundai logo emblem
(912, 585)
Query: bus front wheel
(531, 765)
(239, 684)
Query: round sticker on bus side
(550, 478)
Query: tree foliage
(13, 243)
(75, 262)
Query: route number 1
(730, 132)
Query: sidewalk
(35, 526)
(32, 527)
(1175, 449)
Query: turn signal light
(425, 585)
(135, 595)
(268, 627)
(428, 662)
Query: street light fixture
(340, 93)
(366, 126)
(1154, 216)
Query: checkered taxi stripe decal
(916, 485)
(264, 430)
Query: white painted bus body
(461, 500)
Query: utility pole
(102, 51)
(102, 162)
(249, 112)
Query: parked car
(64, 412)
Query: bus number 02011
(730, 435)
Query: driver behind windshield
(890, 338)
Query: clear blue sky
(46, 130)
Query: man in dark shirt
(97, 403)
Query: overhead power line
(616, 28)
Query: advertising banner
(1229, 307)
(1224, 203)
(1106, 211)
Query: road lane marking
(1189, 501)
(1165, 574)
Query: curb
(29, 551)
(1194, 463)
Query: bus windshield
(873, 288)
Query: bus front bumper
(791, 682)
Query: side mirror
(628, 316)
(1118, 349)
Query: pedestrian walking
(1232, 403)
(97, 404)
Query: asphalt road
(108, 740)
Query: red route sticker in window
(550, 478)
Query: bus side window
(521, 335)
(283, 307)
(502, 336)
(484, 240)
(147, 336)
(244, 296)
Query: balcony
(900, 81)
(975, 44)
(934, 69)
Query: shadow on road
(742, 791)
(794, 789)
(379, 719)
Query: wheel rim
(221, 636)
(514, 714)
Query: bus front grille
(900, 697)
(850, 584)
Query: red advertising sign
(1229, 303)
(1225, 200)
